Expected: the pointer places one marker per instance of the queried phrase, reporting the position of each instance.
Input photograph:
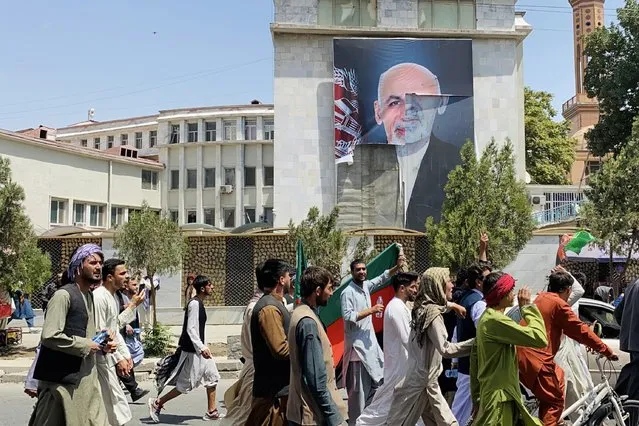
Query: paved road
(16, 407)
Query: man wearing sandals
(196, 366)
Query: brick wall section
(207, 256)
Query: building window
(110, 140)
(250, 129)
(78, 214)
(229, 176)
(446, 14)
(175, 134)
(58, 212)
(249, 214)
(175, 179)
(268, 215)
(96, 215)
(138, 140)
(268, 176)
(153, 138)
(210, 128)
(229, 217)
(124, 139)
(230, 130)
(269, 129)
(174, 216)
(117, 216)
(192, 132)
(149, 179)
(209, 217)
(209, 178)
(191, 216)
(136, 211)
(191, 179)
(83, 143)
(348, 13)
(249, 176)
(96, 143)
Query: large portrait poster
(413, 94)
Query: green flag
(300, 260)
(580, 240)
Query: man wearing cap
(69, 391)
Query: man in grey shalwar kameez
(68, 389)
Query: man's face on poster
(408, 102)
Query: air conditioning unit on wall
(226, 189)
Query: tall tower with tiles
(582, 111)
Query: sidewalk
(15, 363)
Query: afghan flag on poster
(300, 262)
(331, 314)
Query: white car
(591, 310)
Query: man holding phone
(130, 298)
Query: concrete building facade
(303, 33)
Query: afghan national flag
(300, 260)
(331, 314)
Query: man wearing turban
(497, 397)
(68, 390)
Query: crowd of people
(289, 377)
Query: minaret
(582, 111)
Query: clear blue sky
(61, 58)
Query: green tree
(364, 250)
(482, 196)
(611, 211)
(22, 264)
(151, 241)
(549, 151)
(611, 76)
(324, 243)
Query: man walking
(269, 326)
(362, 361)
(196, 366)
(129, 298)
(313, 395)
(68, 388)
(473, 301)
(396, 332)
(537, 368)
(118, 363)
(239, 396)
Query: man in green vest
(313, 395)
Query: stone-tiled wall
(302, 12)
(490, 14)
(495, 14)
(397, 13)
(304, 156)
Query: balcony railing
(562, 213)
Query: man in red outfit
(537, 368)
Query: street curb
(228, 369)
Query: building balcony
(578, 99)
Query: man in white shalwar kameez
(107, 310)
(239, 396)
(196, 366)
(396, 332)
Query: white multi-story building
(219, 160)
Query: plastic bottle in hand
(379, 302)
